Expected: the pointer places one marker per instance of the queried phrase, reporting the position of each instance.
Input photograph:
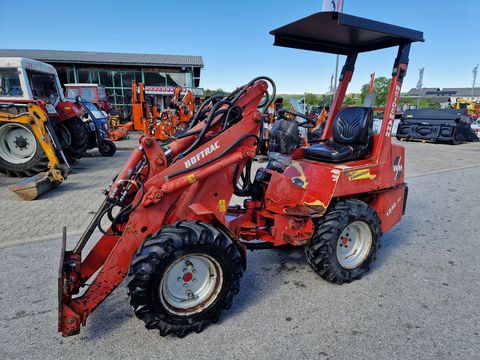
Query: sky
(233, 37)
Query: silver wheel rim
(65, 134)
(191, 284)
(354, 244)
(17, 143)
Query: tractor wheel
(182, 277)
(73, 135)
(21, 154)
(345, 241)
(107, 148)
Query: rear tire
(183, 276)
(345, 241)
(22, 158)
(75, 143)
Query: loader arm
(156, 188)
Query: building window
(62, 76)
(106, 78)
(88, 76)
(179, 79)
(129, 76)
(155, 79)
(127, 96)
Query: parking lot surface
(420, 299)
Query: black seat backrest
(353, 125)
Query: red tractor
(93, 93)
(172, 231)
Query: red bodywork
(67, 110)
(178, 187)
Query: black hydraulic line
(227, 117)
(129, 208)
(207, 126)
(219, 112)
(202, 111)
(123, 213)
(238, 93)
(246, 180)
(262, 105)
(243, 89)
(99, 221)
(198, 166)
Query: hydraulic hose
(236, 95)
(203, 111)
(207, 126)
(246, 181)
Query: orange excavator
(177, 116)
(161, 125)
(141, 113)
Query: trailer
(436, 125)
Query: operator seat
(352, 137)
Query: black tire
(76, 144)
(155, 260)
(321, 251)
(38, 163)
(107, 148)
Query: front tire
(182, 277)
(107, 148)
(345, 241)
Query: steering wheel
(308, 123)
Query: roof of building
(464, 91)
(421, 92)
(105, 58)
(434, 92)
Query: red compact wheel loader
(171, 229)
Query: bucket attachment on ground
(436, 125)
(34, 186)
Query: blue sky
(232, 36)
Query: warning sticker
(360, 175)
(191, 178)
(222, 205)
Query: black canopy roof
(343, 34)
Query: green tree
(381, 87)
(352, 100)
(325, 99)
(423, 103)
(311, 99)
(209, 92)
